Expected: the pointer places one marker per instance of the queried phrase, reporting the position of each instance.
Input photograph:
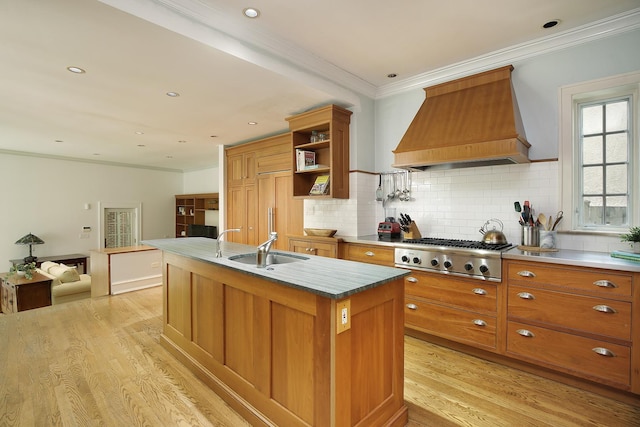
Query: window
(599, 154)
(603, 145)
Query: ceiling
(230, 70)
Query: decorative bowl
(321, 232)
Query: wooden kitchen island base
(274, 353)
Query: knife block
(413, 232)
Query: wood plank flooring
(98, 362)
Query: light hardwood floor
(99, 363)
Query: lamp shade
(30, 239)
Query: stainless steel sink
(272, 258)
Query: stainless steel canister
(530, 235)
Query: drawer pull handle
(605, 284)
(604, 309)
(479, 291)
(526, 295)
(603, 351)
(412, 279)
(369, 253)
(479, 322)
(526, 273)
(412, 306)
(525, 333)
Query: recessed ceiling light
(58, 141)
(96, 154)
(182, 141)
(392, 75)
(141, 145)
(251, 12)
(252, 123)
(139, 132)
(173, 94)
(169, 157)
(551, 23)
(213, 136)
(76, 70)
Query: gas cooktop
(454, 243)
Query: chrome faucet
(218, 250)
(263, 250)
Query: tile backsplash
(455, 204)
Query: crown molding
(611, 26)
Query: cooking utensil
(395, 185)
(392, 192)
(558, 219)
(542, 219)
(493, 236)
(379, 191)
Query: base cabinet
(574, 320)
(275, 354)
(310, 245)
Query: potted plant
(26, 270)
(633, 237)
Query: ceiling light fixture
(252, 123)
(173, 94)
(251, 12)
(551, 24)
(76, 70)
(141, 145)
(139, 132)
(182, 141)
(392, 75)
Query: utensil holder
(530, 235)
(413, 232)
(548, 239)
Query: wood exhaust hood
(472, 121)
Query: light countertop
(328, 277)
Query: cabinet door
(309, 247)
(242, 214)
(241, 169)
(275, 193)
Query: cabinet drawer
(369, 253)
(473, 295)
(450, 323)
(571, 353)
(584, 313)
(310, 247)
(593, 281)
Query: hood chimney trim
(470, 121)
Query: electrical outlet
(343, 313)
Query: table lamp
(30, 240)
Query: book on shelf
(316, 166)
(320, 186)
(304, 159)
(633, 256)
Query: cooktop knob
(484, 268)
(417, 260)
(468, 266)
(447, 264)
(435, 262)
(405, 258)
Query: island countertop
(328, 277)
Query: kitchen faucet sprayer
(263, 250)
(218, 250)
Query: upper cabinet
(241, 168)
(324, 132)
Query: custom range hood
(472, 121)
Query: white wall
(46, 197)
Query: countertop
(124, 249)
(562, 256)
(328, 277)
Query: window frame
(570, 162)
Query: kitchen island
(316, 341)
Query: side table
(18, 293)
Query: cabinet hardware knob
(604, 309)
(412, 306)
(412, 279)
(479, 322)
(479, 291)
(369, 253)
(525, 333)
(526, 295)
(605, 284)
(526, 273)
(603, 351)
